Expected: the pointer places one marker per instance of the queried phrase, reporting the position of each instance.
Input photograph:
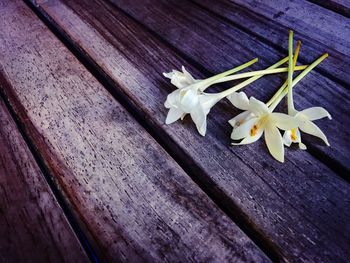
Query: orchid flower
(257, 119)
(306, 116)
(188, 99)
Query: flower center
(254, 130)
(293, 134)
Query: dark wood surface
(179, 196)
(33, 227)
(295, 211)
(130, 197)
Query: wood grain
(194, 38)
(299, 208)
(134, 202)
(339, 6)
(273, 32)
(320, 24)
(33, 227)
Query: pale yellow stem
(257, 73)
(295, 58)
(298, 78)
(227, 92)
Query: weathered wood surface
(132, 199)
(339, 6)
(194, 38)
(33, 227)
(320, 24)
(270, 31)
(298, 210)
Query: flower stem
(256, 73)
(295, 58)
(291, 108)
(229, 91)
(297, 79)
(209, 81)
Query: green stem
(291, 108)
(256, 73)
(209, 81)
(297, 79)
(229, 91)
(295, 58)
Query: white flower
(257, 119)
(305, 120)
(180, 79)
(189, 98)
(190, 101)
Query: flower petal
(274, 142)
(172, 98)
(240, 118)
(257, 107)
(311, 128)
(250, 139)
(287, 140)
(199, 117)
(243, 130)
(283, 121)
(173, 115)
(207, 101)
(239, 100)
(188, 99)
(315, 113)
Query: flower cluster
(257, 118)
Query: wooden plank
(299, 209)
(132, 199)
(196, 38)
(32, 224)
(339, 6)
(321, 24)
(272, 32)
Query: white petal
(287, 139)
(173, 115)
(207, 101)
(315, 113)
(243, 130)
(283, 121)
(188, 99)
(188, 75)
(257, 107)
(239, 100)
(172, 99)
(274, 142)
(302, 146)
(311, 128)
(240, 118)
(250, 139)
(200, 119)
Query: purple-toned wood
(132, 200)
(298, 209)
(33, 227)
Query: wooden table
(90, 172)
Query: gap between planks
(48, 176)
(26, 127)
(105, 73)
(339, 7)
(172, 148)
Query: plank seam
(221, 199)
(87, 247)
(331, 163)
(265, 41)
(334, 7)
